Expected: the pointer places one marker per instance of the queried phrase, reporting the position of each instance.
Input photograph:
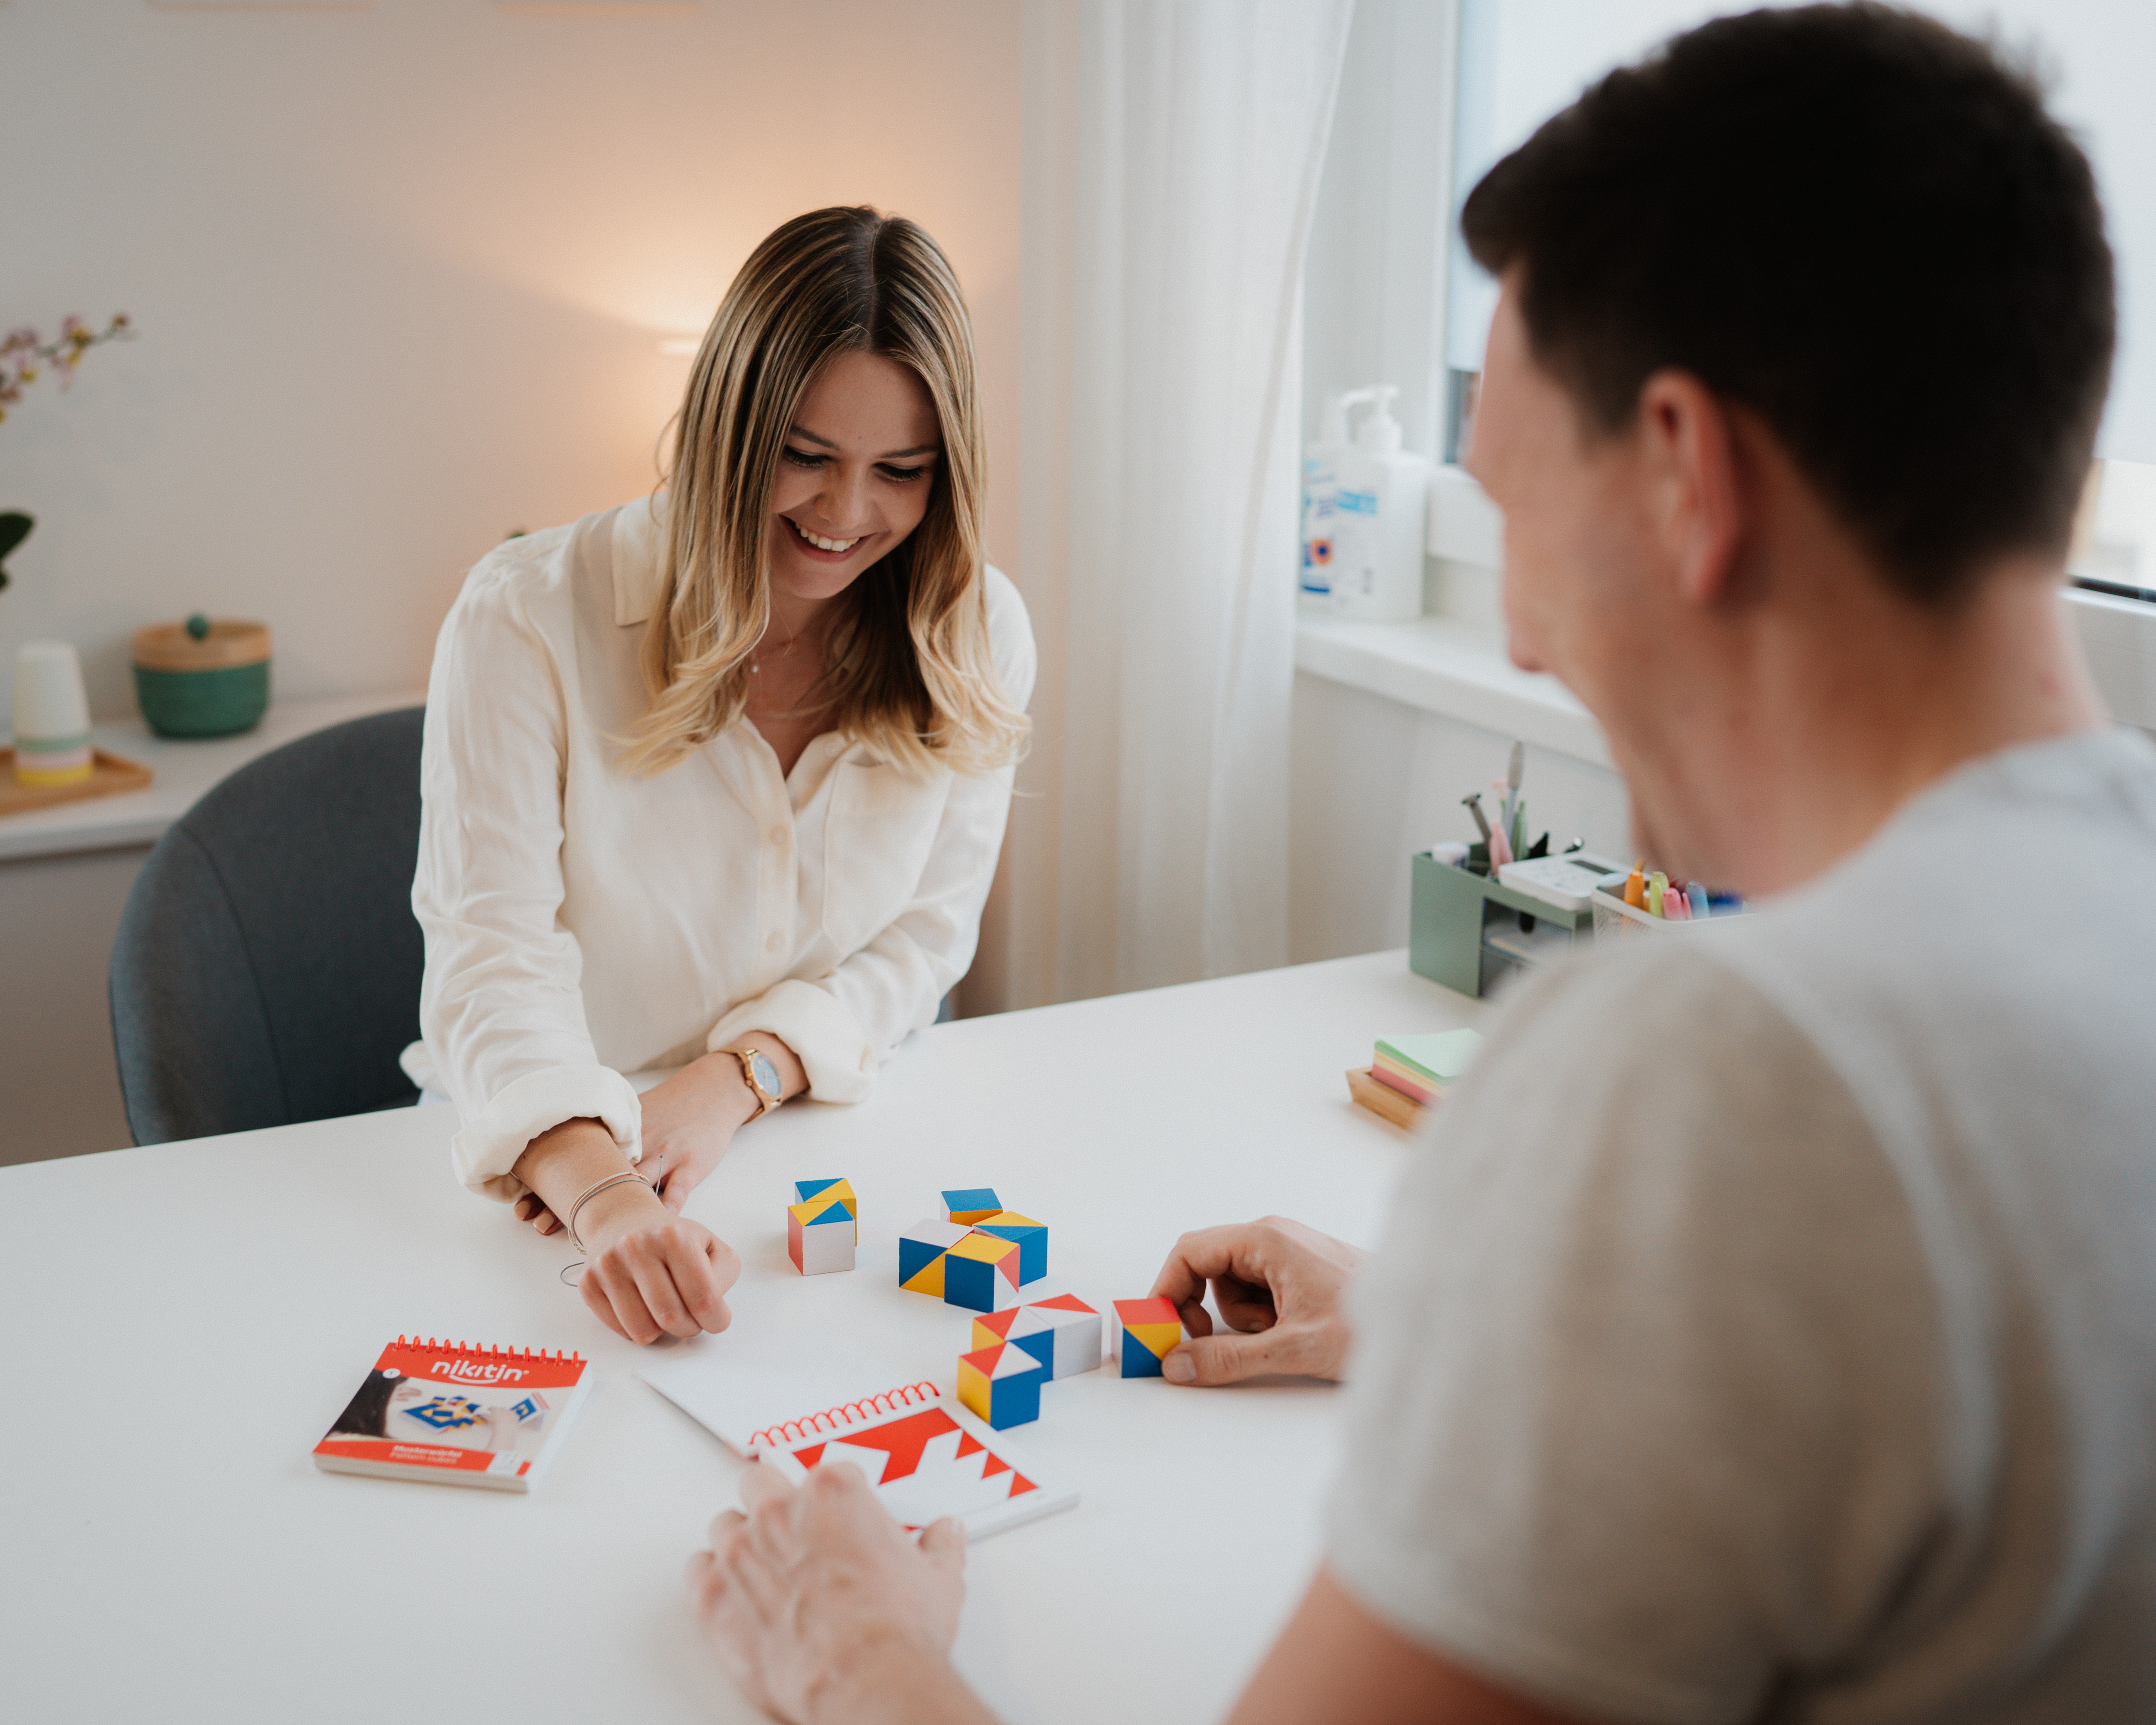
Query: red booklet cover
(458, 1415)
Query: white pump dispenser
(1380, 496)
(1321, 462)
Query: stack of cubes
(1017, 1350)
(977, 1254)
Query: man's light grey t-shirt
(1768, 1327)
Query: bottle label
(1355, 502)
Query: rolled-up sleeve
(501, 1009)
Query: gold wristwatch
(761, 1077)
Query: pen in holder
(1468, 930)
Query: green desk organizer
(1454, 915)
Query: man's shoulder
(2001, 912)
(1656, 1055)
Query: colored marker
(1635, 887)
(1500, 852)
(1658, 885)
(1697, 894)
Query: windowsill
(1460, 669)
(2119, 636)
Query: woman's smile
(823, 549)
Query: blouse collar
(639, 546)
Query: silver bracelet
(590, 1193)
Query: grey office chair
(267, 967)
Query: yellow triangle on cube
(1157, 1339)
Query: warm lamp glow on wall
(680, 347)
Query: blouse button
(832, 746)
(771, 940)
(778, 836)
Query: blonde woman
(715, 782)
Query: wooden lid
(199, 644)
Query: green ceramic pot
(203, 703)
(202, 679)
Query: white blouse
(581, 925)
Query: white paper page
(737, 1383)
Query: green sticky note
(1439, 1055)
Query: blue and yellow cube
(920, 1253)
(981, 1272)
(1031, 1238)
(823, 1226)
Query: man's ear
(1694, 504)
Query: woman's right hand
(650, 1273)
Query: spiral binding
(487, 1350)
(846, 1415)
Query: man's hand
(1279, 1284)
(822, 1609)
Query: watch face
(767, 1074)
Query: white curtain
(1173, 151)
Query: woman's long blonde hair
(910, 669)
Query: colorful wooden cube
(1032, 1239)
(922, 1250)
(981, 1272)
(970, 1205)
(1063, 1333)
(1001, 1384)
(1146, 1331)
(823, 1226)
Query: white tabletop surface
(185, 768)
(183, 1321)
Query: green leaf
(14, 528)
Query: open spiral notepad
(927, 1456)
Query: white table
(65, 872)
(183, 1321)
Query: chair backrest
(267, 967)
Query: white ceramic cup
(52, 714)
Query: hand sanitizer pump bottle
(1320, 461)
(1381, 496)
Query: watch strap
(767, 1099)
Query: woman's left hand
(689, 1121)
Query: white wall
(1372, 781)
(2093, 55)
(401, 272)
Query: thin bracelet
(590, 1193)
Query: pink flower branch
(25, 356)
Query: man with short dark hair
(1768, 1328)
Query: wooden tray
(108, 774)
(1381, 1099)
